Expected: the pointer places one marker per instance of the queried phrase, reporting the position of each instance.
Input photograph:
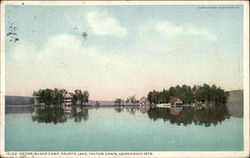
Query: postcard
(124, 79)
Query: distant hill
(18, 100)
(235, 103)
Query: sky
(129, 50)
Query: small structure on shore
(68, 99)
(144, 102)
(175, 101)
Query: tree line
(55, 96)
(205, 94)
(131, 99)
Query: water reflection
(49, 115)
(59, 115)
(81, 114)
(119, 108)
(182, 115)
(188, 115)
(15, 110)
(132, 109)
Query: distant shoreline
(235, 103)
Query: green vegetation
(82, 97)
(49, 96)
(132, 100)
(204, 94)
(55, 96)
(118, 101)
(129, 100)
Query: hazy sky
(130, 49)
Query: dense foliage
(55, 96)
(130, 100)
(82, 97)
(205, 94)
(118, 101)
(49, 96)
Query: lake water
(122, 129)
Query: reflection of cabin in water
(144, 109)
(175, 101)
(175, 111)
(67, 109)
(68, 99)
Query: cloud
(103, 23)
(28, 52)
(64, 62)
(164, 36)
(168, 28)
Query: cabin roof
(72, 94)
(69, 95)
(173, 99)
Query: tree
(44, 96)
(206, 89)
(38, 96)
(205, 94)
(186, 94)
(149, 97)
(79, 96)
(85, 97)
(172, 91)
(118, 101)
(213, 93)
(163, 97)
(153, 97)
(56, 99)
(133, 99)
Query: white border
(2, 85)
(244, 153)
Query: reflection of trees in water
(119, 108)
(132, 110)
(57, 115)
(49, 115)
(206, 116)
(201, 116)
(83, 114)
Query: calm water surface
(122, 129)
